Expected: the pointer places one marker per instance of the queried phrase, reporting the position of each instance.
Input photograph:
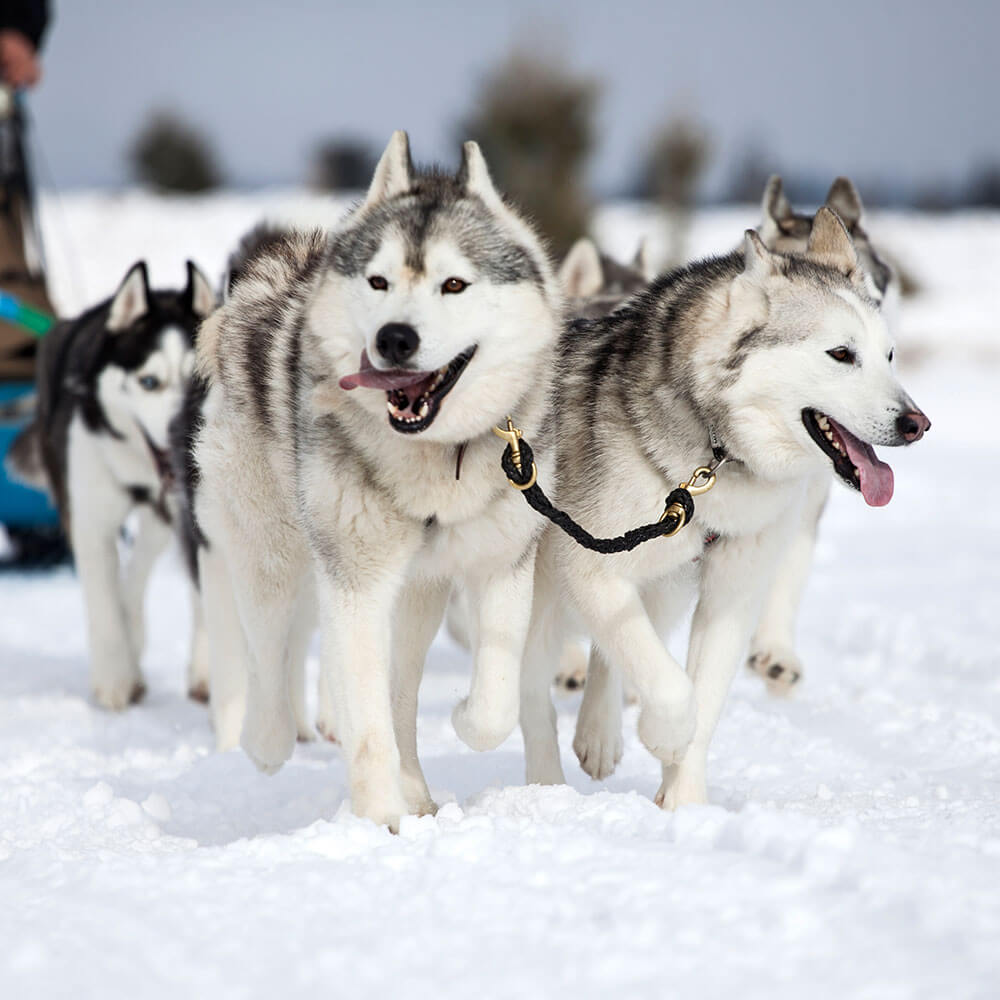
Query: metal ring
(529, 483)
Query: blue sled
(20, 506)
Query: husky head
(146, 358)
(439, 296)
(595, 284)
(814, 378)
(785, 231)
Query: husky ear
(641, 261)
(474, 175)
(581, 274)
(394, 172)
(198, 295)
(758, 260)
(131, 300)
(844, 199)
(830, 243)
(774, 205)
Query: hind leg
(772, 649)
(227, 649)
(303, 626)
(199, 660)
(418, 614)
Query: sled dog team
(322, 442)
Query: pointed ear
(830, 243)
(474, 175)
(198, 295)
(394, 172)
(641, 261)
(774, 205)
(581, 274)
(758, 260)
(131, 300)
(844, 199)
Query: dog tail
(24, 461)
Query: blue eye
(150, 383)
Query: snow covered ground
(852, 847)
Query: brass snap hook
(703, 472)
(512, 435)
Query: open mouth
(161, 459)
(853, 460)
(413, 398)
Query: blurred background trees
(534, 119)
(342, 164)
(675, 166)
(170, 154)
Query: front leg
(613, 609)
(735, 577)
(356, 626)
(417, 618)
(502, 604)
(772, 650)
(151, 538)
(114, 671)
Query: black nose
(396, 342)
(912, 425)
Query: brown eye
(378, 282)
(453, 286)
(843, 354)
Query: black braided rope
(623, 543)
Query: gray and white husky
(785, 363)
(772, 650)
(347, 462)
(109, 382)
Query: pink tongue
(876, 476)
(372, 378)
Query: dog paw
(327, 729)
(118, 692)
(385, 808)
(572, 674)
(199, 692)
(780, 669)
(268, 740)
(481, 730)
(598, 742)
(666, 726)
(682, 786)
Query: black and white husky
(785, 363)
(347, 466)
(109, 383)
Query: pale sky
(905, 92)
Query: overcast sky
(905, 92)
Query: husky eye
(892, 354)
(843, 354)
(453, 286)
(378, 282)
(150, 383)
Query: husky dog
(772, 650)
(109, 383)
(785, 363)
(593, 285)
(347, 461)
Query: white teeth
(823, 422)
(424, 407)
(828, 435)
(857, 474)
